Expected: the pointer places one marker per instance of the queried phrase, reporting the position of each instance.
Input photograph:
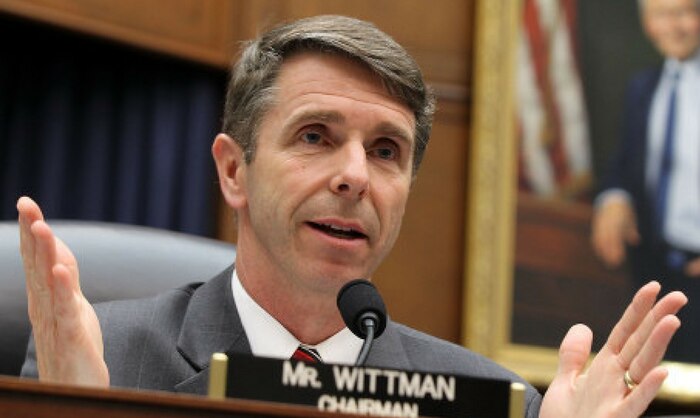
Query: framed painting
(530, 273)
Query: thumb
(574, 350)
(692, 269)
(632, 236)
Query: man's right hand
(67, 334)
(614, 227)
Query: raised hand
(635, 346)
(614, 227)
(66, 331)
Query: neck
(310, 315)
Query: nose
(351, 179)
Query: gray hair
(251, 89)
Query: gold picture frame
(491, 211)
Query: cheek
(692, 28)
(264, 193)
(287, 187)
(394, 204)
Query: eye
(311, 137)
(386, 150)
(386, 153)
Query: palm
(66, 330)
(636, 345)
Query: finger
(27, 247)
(66, 307)
(654, 348)
(615, 252)
(613, 247)
(65, 257)
(692, 269)
(668, 305)
(639, 399)
(610, 232)
(574, 350)
(29, 208)
(632, 236)
(605, 249)
(633, 316)
(44, 260)
(28, 213)
(598, 235)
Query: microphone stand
(369, 324)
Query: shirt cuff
(610, 196)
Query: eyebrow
(331, 116)
(392, 130)
(325, 116)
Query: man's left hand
(635, 346)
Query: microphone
(364, 313)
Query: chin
(354, 267)
(334, 279)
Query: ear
(230, 166)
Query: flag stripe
(554, 136)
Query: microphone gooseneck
(364, 313)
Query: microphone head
(357, 300)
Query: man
(325, 125)
(651, 193)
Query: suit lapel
(211, 324)
(639, 169)
(388, 350)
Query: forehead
(318, 78)
(664, 5)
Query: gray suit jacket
(165, 342)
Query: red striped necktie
(306, 354)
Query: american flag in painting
(554, 150)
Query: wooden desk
(21, 398)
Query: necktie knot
(675, 75)
(306, 354)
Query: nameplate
(366, 390)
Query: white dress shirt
(268, 338)
(682, 225)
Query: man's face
(326, 190)
(673, 26)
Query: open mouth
(337, 232)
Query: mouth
(337, 231)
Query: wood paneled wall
(422, 279)
(197, 30)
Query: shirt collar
(673, 66)
(269, 338)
